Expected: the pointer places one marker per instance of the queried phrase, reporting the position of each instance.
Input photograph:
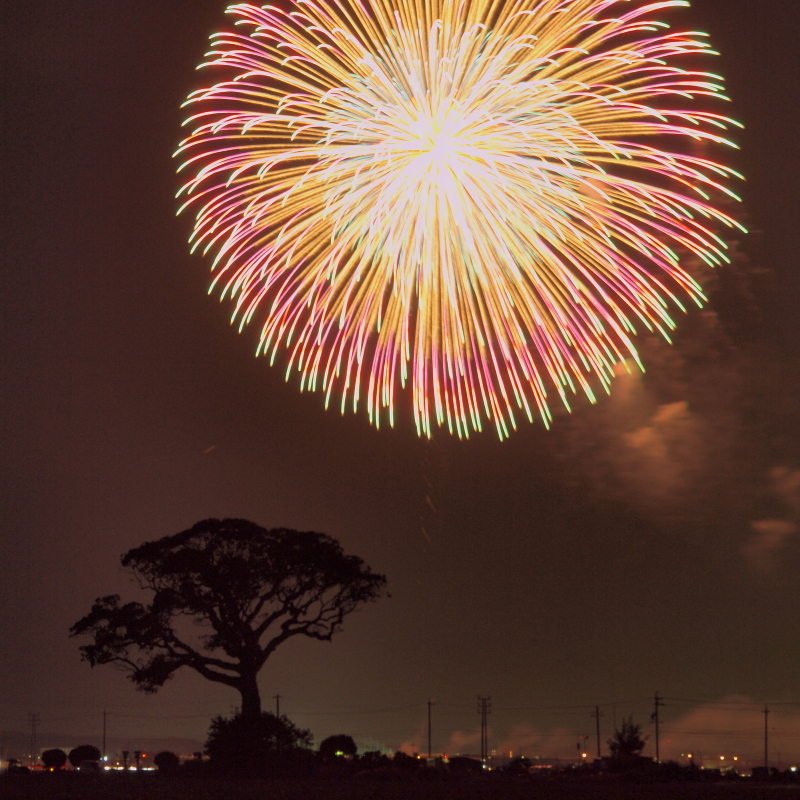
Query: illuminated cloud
(732, 727)
(464, 742)
(666, 454)
(786, 485)
(770, 536)
(526, 740)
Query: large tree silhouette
(248, 590)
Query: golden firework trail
(471, 204)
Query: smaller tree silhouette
(373, 759)
(627, 743)
(166, 761)
(54, 759)
(83, 752)
(405, 761)
(338, 745)
(518, 766)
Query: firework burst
(477, 203)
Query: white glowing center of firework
(437, 142)
(440, 151)
(441, 144)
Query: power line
(577, 709)
(415, 707)
(725, 703)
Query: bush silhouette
(337, 746)
(83, 752)
(167, 761)
(54, 759)
(257, 745)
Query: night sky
(649, 543)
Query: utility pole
(103, 757)
(766, 739)
(658, 703)
(277, 705)
(597, 714)
(429, 726)
(484, 709)
(34, 721)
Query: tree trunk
(251, 697)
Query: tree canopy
(167, 761)
(249, 589)
(340, 744)
(83, 752)
(627, 742)
(54, 759)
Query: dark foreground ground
(88, 787)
